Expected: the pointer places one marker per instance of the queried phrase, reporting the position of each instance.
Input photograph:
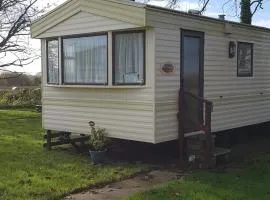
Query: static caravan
(122, 64)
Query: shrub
(98, 140)
(20, 97)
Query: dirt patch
(127, 187)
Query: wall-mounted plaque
(168, 68)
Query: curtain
(244, 59)
(53, 64)
(85, 60)
(129, 58)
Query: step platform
(197, 150)
(60, 138)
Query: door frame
(201, 36)
(196, 34)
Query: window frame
(47, 60)
(62, 57)
(114, 53)
(238, 57)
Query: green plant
(20, 97)
(98, 140)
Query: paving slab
(127, 187)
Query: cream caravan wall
(127, 112)
(238, 101)
(83, 23)
(124, 11)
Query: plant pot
(98, 156)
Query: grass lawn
(249, 181)
(28, 172)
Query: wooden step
(220, 151)
(193, 133)
(57, 134)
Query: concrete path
(127, 187)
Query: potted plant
(98, 143)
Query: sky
(215, 7)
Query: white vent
(222, 17)
(194, 12)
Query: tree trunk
(246, 15)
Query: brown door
(192, 75)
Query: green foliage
(246, 15)
(30, 173)
(20, 97)
(98, 140)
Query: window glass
(53, 62)
(129, 58)
(245, 59)
(85, 60)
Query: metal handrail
(198, 97)
(208, 107)
(205, 126)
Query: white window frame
(47, 61)
(144, 57)
(250, 74)
(62, 58)
(110, 61)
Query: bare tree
(202, 4)
(15, 18)
(248, 7)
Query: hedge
(20, 97)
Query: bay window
(52, 61)
(85, 60)
(129, 50)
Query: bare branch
(205, 3)
(15, 18)
(174, 3)
(259, 5)
(232, 5)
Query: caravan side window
(129, 58)
(85, 60)
(52, 61)
(245, 59)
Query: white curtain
(85, 60)
(129, 58)
(53, 64)
(244, 58)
